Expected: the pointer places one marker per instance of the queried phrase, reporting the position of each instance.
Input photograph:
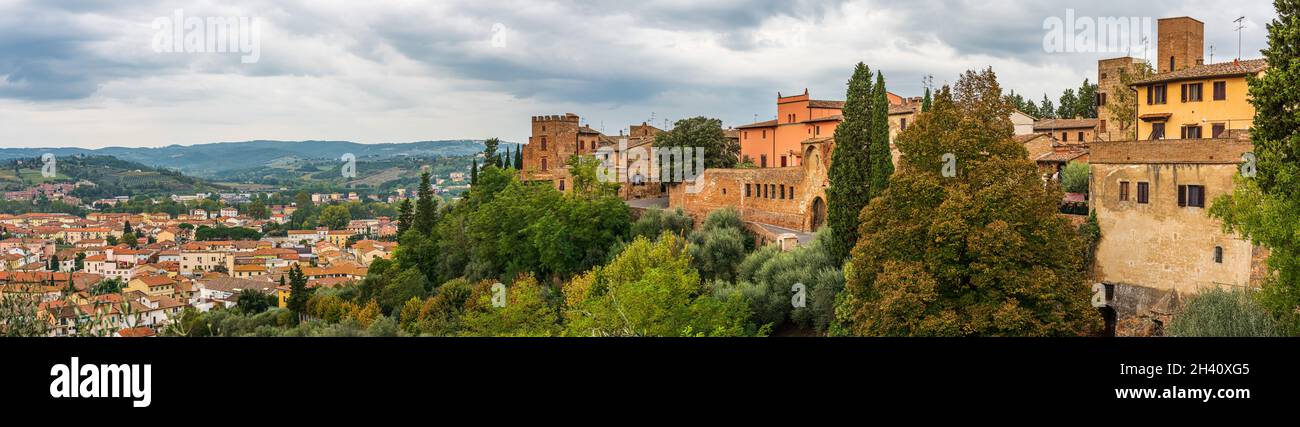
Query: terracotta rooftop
(1051, 124)
(766, 124)
(1222, 69)
(816, 103)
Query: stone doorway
(818, 214)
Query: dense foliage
(1266, 208)
(986, 253)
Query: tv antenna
(1211, 54)
(1241, 23)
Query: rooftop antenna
(1211, 53)
(1241, 23)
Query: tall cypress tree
(126, 228)
(405, 216)
(473, 172)
(425, 214)
(882, 159)
(298, 295)
(850, 172)
(926, 101)
(519, 158)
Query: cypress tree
(519, 158)
(297, 291)
(405, 217)
(850, 174)
(425, 214)
(925, 102)
(882, 159)
(126, 229)
(473, 172)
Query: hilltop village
(1152, 174)
(1149, 178)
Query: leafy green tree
(767, 280)
(1047, 110)
(306, 210)
(850, 171)
(107, 286)
(335, 217)
(1085, 101)
(651, 290)
(1069, 101)
(252, 301)
(490, 149)
(257, 210)
(407, 284)
(54, 263)
(987, 254)
(1223, 313)
(205, 233)
(704, 132)
(654, 222)
(527, 311)
(586, 181)
(1123, 102)
(719, 245)
(1074, 179)
(130, 240)
(1266, 209)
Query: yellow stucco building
(1204, 101)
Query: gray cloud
(615, 62)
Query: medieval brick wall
(787, 197)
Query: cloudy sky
(90, 74)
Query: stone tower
(554, 139)
(1181, 44)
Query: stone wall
(784, 197)
(1160, 244)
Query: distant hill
(216, 159)
(114, 177)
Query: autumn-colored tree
(980, 251)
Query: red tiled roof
(1222, 69)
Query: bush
(1074, 179)
(655, 222)
(1220, 313)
